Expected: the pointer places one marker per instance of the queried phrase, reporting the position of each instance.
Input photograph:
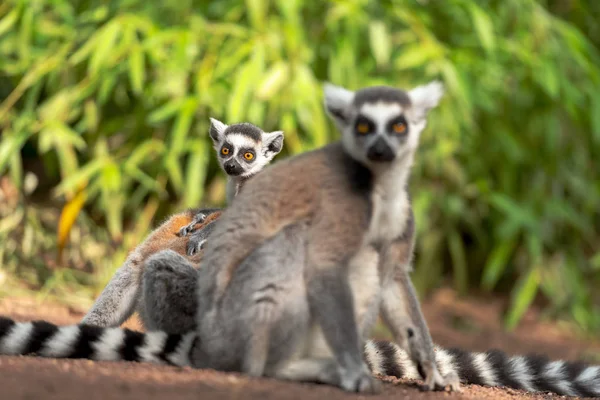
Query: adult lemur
(323, 243)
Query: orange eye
(248, 156)
(399, 127)
(224, 151)
(362, 128)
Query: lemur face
(244, 149)
(381, 124)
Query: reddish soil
(473, 324)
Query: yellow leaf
(68, 216)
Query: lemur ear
(217, 128)
(425, 97)
(273, 142)
(337, 99)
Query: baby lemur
(243, 150)
(323, 244)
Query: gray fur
(169, 300)
(117, 301)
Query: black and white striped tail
(531, 373)
(492, 368)
(44, 339)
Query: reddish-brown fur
(165, 237)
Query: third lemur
(243, 150)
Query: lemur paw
(436, 381)
(361, 382)
(193, 247)
(191, 227)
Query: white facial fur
(339, 103)
(263, 150)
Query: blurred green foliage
(114, 98)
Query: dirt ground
(472, 324)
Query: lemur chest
(389, 216)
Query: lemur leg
(401, 312)
(169, 300)
(331, 302)
(117, 301)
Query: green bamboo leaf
(182, 125)
(196, 172)
(106, 43)
(56, 108)
(595, 261)
(380, 42)
(106, 87)
(548, 77)
(56, 134)
(496, 263)
(145, 152)
(483, 26)
(517, 213)
(257, 11)
(522, 296)
(80, 177)
(595, 116)
(94, 15)
(25, 33)
(146, 180)
(11, 143)
(241, 91)
(273, 80)
(8, 21)
(86, 50)
(136, 70)
(111, 177)
(90, 112)
(16, 171)
(290, 129)
(414, 56)
(174, 172)
(114, 213)
(166, 111)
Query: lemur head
(381, 124)
(244, 149)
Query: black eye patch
(363, 125)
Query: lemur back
(185, 232)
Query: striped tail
(531, 373)
(44, 339)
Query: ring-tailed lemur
(243, 150)
(282, 294)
